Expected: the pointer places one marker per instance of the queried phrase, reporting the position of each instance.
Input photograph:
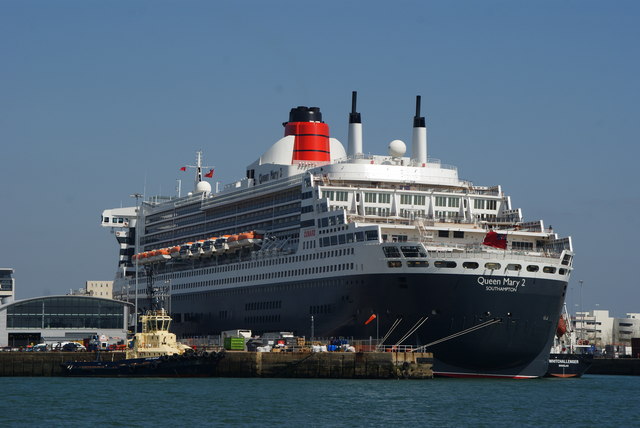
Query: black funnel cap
(418, 121)
(305, 114)
(354, 116)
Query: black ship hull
(568, 365)
(491, 326)
(201, 365)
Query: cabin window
(443, 234)
(418, 263)
(445, 264)
(549, 269)
(372, 235)
(514, 267)
(458, 234)
(394, 263)
(470, 265)
(391, 252)
(516, 245)
(492, 266)
(413, 251)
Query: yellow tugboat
(155, 352)
(155, 340)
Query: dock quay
(615, 366)
(335, 365)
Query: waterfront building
(55, 319)
(95, 288)
(626, 328)
(607, 332)
(7, 285)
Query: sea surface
(592, 401)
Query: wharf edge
(336, 365)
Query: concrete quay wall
(45, 363)
(338, 365)
(615, 366)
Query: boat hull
(568, 365)
(519, 321)
(203, 365)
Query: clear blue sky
(98, 98)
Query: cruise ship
(332, 242)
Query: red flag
(371, 318)
(497, 240)
(209, 174)
(184, 168)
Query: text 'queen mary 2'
(314, 232)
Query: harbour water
(589, 401)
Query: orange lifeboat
(163, 253)
(562, 327)
(209, 246)
(185, 250)
(249, 238)
(221, 244)
(174, 252)
(154, 256)
(143, 258)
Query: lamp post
(312, 328)
(581, 308)
(136, 245)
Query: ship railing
(431, 162)
(460, 251)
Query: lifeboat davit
(209, 246)
(562, 327)
(185, 250)
(221, 244)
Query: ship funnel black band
(354, 117)
(418, 122)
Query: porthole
(515, 267)
(492, 266)
(470, 265)
(549, 269)
(533, 268)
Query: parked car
(40, 347)
(73, 347)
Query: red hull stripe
(479, 375)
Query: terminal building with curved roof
(55, 319)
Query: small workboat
(154, 352)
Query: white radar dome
(397, 148)
(203, 187)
